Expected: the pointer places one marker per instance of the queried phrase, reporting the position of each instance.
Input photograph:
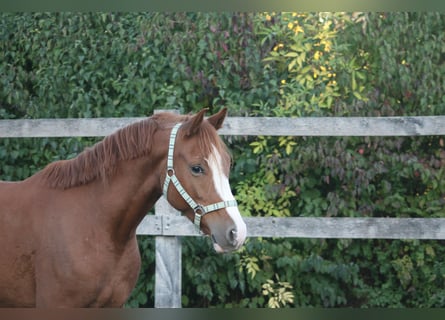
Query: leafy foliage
(279, 293)
(357, 177)
(266, 64)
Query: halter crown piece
(170, 176)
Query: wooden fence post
(168, 276)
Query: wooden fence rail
(309, 227)
(236, 126)
(167, 225)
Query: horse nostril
(231, 236)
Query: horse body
(16, 256)
(68, 233)
(55, 241)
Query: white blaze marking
(222, 187)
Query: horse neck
(131, 192)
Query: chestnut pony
(68, 233)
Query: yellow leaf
(298, 29)
(288, 149)
(317, 55)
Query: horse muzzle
(230, 238)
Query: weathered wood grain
(351, 228)
(168, 276)
(309, 227)
(311, 126)
(39, 128)
(335, 126)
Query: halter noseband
(199, 210)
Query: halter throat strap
(170, 176)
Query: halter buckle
(199, 208)
(199, 213)
(170, 172)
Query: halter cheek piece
(170, 176)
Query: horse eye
(197, 170)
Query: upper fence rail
(239, 126)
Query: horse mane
(130, 142)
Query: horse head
(197, 180)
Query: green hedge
(57, 65)
(360, 65)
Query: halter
(199, 210)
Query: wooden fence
(167, 225)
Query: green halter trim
(170, 176)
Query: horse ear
(217, 119)
(192, 125)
